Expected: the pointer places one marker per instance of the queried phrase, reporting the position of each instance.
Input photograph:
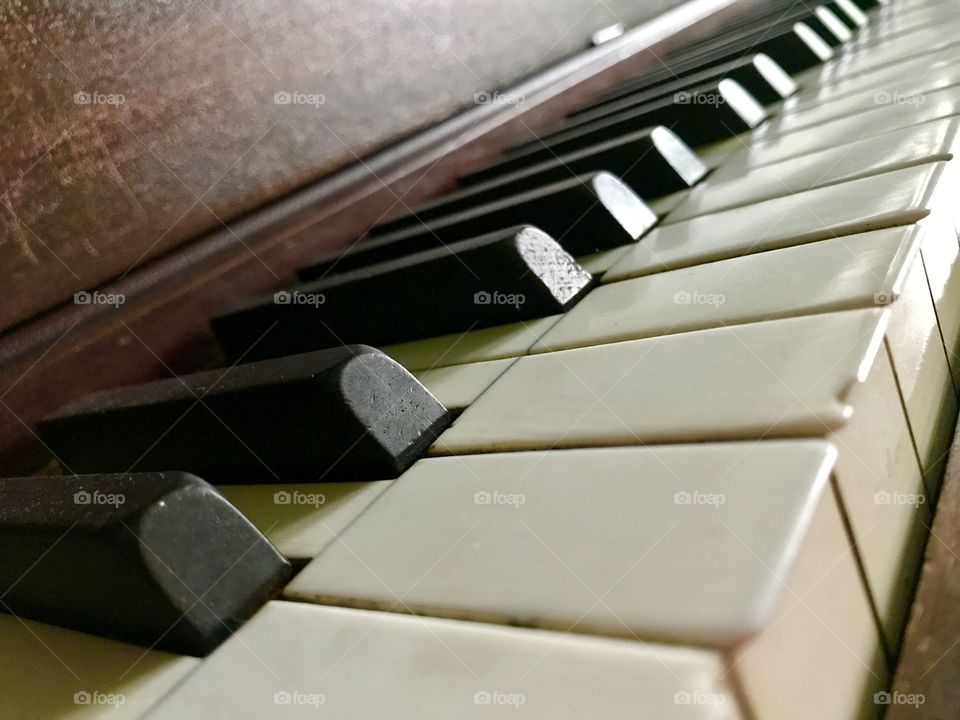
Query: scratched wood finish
(129, 127)
(930, 661)
(163, 325)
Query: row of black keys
(584, 184)
(160, 558)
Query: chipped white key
(51, 672)
(915, 145)
(838, 133)
(735, 546)
(295, 660)
(302, 519)
(897, 198)
(491, 343)
(458, 386)
(769, 379)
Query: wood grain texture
(131, 127)
(929, 667)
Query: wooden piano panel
(92, 189)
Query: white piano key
(941, 254)
(910, 92)
(51, 672)
(628, 542)
(855, 271)
(302, 519)
(888, 52)
(882, 491)
(599, 263)
(923, 374)
(915, 145)
(781, 378)
(492, 343)
(840, 132)
(299, 660)
(771, 379)
(813, 95)
(458, 386)
(897, 198)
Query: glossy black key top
(346, 413)
(585, 215)
(508, 276)
(652, 162)
(708, 114)
(157, 559)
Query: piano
(551, 361)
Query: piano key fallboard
(655, 426)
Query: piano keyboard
(655, 427)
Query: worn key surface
(586, 214)
(345, 413)
(512, 275)
(158, 559)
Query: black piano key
(794, 47)
(157, 559)
(797, 50)
(792, 51)
(698, 117)
(825, 30)
(851, 17)
(585, 215)
(346, 413)
(766, 82)
(652, 162)
(508, 276)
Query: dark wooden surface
(929, 667)
(163, 325)
(91, 190)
